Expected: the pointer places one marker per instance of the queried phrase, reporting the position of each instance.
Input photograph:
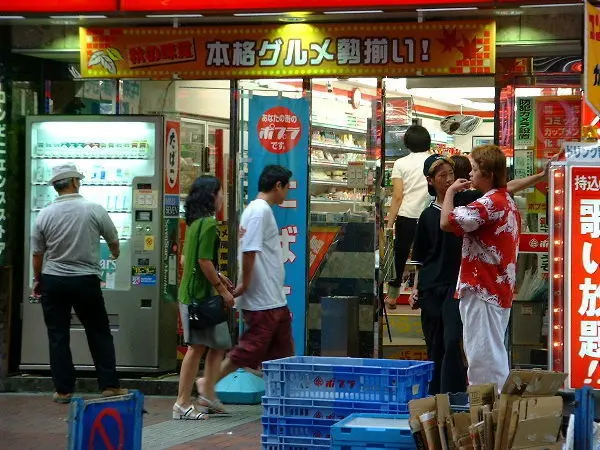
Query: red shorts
(268, 335)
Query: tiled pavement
(33, 421)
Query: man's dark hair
(271, 175)
(417, 139)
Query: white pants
(484, 328)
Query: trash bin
(339, 326)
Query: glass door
(344, 166)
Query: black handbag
(208, 311)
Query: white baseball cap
(63, 171)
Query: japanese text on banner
(584, 278)
(434, 48)
(278, 134)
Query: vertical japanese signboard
(583, 276)
(558, 121)
(525, 122)
(170, 239)
(278, 134)
(3, 114)
(591, 61)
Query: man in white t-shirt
(410, 196)
(268, 333)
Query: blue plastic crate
(326, 409)
(366, 431)
(297, 426)
(294, 443)
(370, 380)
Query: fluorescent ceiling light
(373, 11)
(551, 5)
(11, 17)
(174, 16)
(259, 14)
(79, 17)
(471, 8)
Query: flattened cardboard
(556, 446)
(544, 407)
(443, 412)
(421, 406)
(533, 383)
(537, 432)
(479, 395)
(459, 426)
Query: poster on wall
(278, 133)
(582, 272)
(525, 135)
(292, 50)
(558, 120)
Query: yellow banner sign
(292, 50)
(592, 56)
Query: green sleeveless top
(200, 243)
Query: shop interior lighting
(373, 11)
(174, 16)
(97, 16)
(470, 8)
(259, 14)
(11, 17)
(508, 12)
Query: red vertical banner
(583, 278)
(219, 167)
(172, 155)
(558, 121)
(507, 120)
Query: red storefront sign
(534, 243)
(290, 5)
(558, 121)
(58, 6)
(583, 278)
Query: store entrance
(357, 128)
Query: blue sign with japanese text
(278, 133)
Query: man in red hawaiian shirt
(491, 227)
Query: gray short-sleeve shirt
(68, 233)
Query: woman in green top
(200, 250)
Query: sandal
(189, 413)
(213, 406)
(61, 398)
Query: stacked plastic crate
(306, 395)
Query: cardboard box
(529, 413)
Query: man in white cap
(66, 255)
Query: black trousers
(83, 294)
(403, 240)
(442, 326)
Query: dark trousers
(83, 294)
(442, 326)
(403, 240)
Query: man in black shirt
(438, 255)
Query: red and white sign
(289, 5)
(534, 243)
(58, 6)
(279, 130)
(172, 136)
(583, 278)
(558, 121)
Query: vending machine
(127, 171)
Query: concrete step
(160, 385)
